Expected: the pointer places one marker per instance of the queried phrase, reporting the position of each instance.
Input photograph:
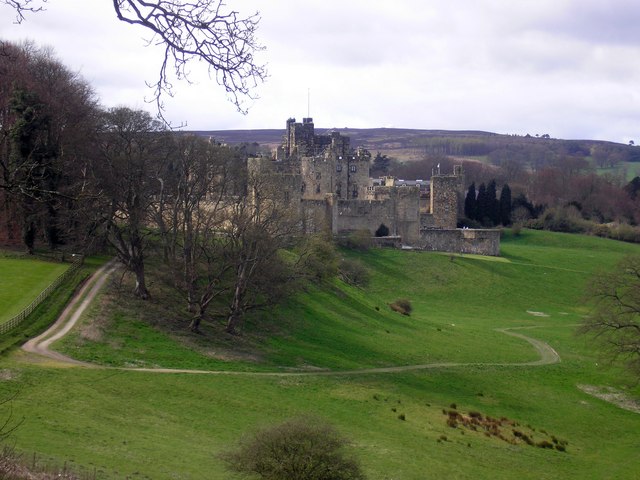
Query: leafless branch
(23, 6)
(201, 30)
(615, 317)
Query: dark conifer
(471, 203)
(493, 211)
(482, 204)
(505, 205)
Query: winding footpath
(87, 294)
(81, 301)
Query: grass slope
(162, 426)
(21, 280)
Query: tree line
(78, 177)
(483, 206)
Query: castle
(328, 182)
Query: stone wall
(471, 241)
(445, 200)
(318, 177)
(395, 207)
(319, 216)
(273, 180)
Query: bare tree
(615, 317)
(259, 226)
(304, 448)
(201, 181)
(204, 30)
(133, 148)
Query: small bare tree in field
(615, 317)
(301, 449)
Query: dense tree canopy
(47, 122)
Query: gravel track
(69, 317)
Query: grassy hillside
(153, 425)
(21, 280)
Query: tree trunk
(141, 285)
(233, 320)
(235, 309)
(194, 326)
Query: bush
(320, 260)
(402, 305)
(354, 273)
(302, 449)
(357, 240)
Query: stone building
(328, 182)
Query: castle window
(352, 168)
(354, 194)
(318, 175)
(286, 195)
(303, 187)
(338, 168)
(318, 189)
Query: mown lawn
(21, 280)
(165, 426)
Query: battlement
(329, 181)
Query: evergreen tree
(633, 188)
(505, 205)
(381, 164)
(471, 203)
(521, 202)
(482, 204)
(493, 211)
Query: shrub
(320, 259)
(402, 417)
(357, 240)
(354, 272)
(516, 229)
(402, 305)
(302, 448)
(14, 466)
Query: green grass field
(629, 170)
(21, 280)
(128, 424)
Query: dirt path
(86, 295)
(69, 317)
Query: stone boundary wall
(471, 241)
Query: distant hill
(413, 144)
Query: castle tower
(446, 198)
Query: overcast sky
(569, 68)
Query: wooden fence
(19, 318)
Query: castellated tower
(326, 182)
(327, 163)
(446, 198)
